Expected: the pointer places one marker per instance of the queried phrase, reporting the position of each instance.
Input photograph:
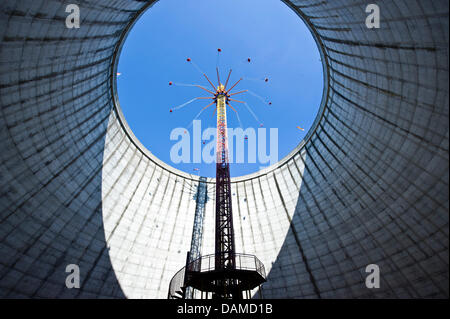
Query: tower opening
(267, 45)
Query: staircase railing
(176, 285)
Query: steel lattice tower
(224, 244)
(201, 197)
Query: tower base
(231, 283)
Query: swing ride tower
(224, 274)
(224, 242)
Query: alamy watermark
(73, 19)
(373, 19)
(373, 279)
(201, 148)
(73, 279)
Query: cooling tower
(368, 184)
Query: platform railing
(207, 263)
(242, 262)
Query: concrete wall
(369, 184)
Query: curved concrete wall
(368, 185)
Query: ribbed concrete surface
(369, 185)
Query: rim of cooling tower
(146, 152)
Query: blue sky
(280, 46)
